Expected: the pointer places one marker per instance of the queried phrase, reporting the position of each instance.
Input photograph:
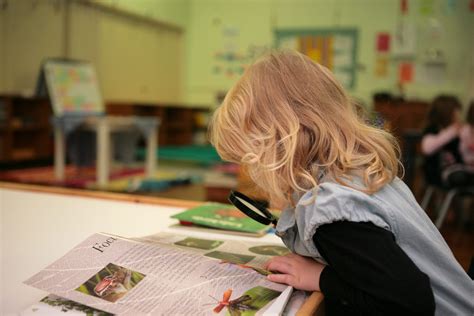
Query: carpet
(121, 180)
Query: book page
(128, 277)
(254, 254)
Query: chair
(443, 210)
(451, 191)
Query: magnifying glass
(252, 208)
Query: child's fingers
(275, 259)
(281, 278)
(265, 266)
(279, 266)
(286, 258)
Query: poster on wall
(404, 42)
(382, 54)
(381, 66)
(405, 72)
(431, 73)
(382, 42)
(73, 87)
(232, 59)
(335, 49)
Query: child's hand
(454, 127)
(300, 272)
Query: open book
(166, 274)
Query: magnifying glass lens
(251, 207)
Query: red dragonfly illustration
(235, 307)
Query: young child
(440, 142)
(376, 252)
(461, 174)
(466, 136)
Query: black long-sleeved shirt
(369, 274)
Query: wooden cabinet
(178, 125)
(25, 131)
(403, 116)
(406, 120)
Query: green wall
(135, 61)
(171, 11)
(252, 22)
(212, 26)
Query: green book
(221, 216)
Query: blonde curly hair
(287, 119)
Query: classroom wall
(31, 32)
(211, 22)
(170, 11)
(140, 62)
(135, 60)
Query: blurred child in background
(440, 142)
(466, 144)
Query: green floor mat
(194, 153)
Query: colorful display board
(73, 87)
(335, 49)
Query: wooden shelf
(23, 116)
(30, 128)
(178, 123)
(25, 133)
(23, 154)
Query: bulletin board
(72, 87)
(335, 49)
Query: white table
(103, 127)
(39, 227)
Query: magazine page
(127, 277)
(53, 305)
(254, 254)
